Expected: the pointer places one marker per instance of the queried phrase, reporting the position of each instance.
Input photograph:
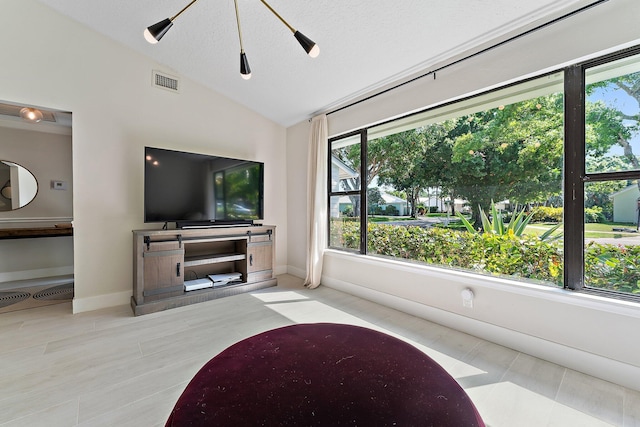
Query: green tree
(401, 166)
(597, 193)
(350, 156)
(608, 126)
(512, 152)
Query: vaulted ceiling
(364, 44)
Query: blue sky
(617, 98)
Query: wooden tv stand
(165, 259)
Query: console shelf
(212, 259)
(164, 259)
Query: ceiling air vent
(165, 81)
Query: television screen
(189, 188)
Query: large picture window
(480, 184)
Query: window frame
(579, 165)
(362, 193)
(574, 174)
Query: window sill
(590, 300)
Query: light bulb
(31, 114)
(315, 51)
(149, 37)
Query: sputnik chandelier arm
(245, 70)
(155, 32)
(307, 44)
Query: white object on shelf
(193, 285)
(223, 279)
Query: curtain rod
(473, 55)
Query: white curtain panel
(316, 200)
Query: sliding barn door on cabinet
(163, 270)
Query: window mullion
(574, 137)
(363, 191)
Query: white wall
(297, 141)
(51, 61)
(585, 333)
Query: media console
(164, 260)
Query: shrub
(348, 211)
(391, 210)
(593, 215)
(375, 210)
(525, 256)
(345, 233)
(612, 267)
(546, 214)
(606, 266)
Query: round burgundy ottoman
(323, 374)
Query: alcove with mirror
(36, 207)
(20, 186)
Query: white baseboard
(280, 269)
(101, 301)
(588, 363)
(12, 276)
(295, 271)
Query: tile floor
(108, 368)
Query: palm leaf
(520, 222)
(547, 234)
(486, 224)
(498, 222)
(466, 223)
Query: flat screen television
(198, 190)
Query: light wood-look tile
(107, 367)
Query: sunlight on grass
(592, 230)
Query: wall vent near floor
(165, 81)
(10, 298)
(60, 292)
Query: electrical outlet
(467, 298)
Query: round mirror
(18, 186)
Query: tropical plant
(496, 224)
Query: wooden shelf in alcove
(29, 233)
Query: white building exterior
(625, 204)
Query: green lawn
(374, 218)
(591, 231)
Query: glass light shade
(154, 33)
(307, 44)
(32, 115)
(245, 70)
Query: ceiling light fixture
(155, 32)
(32, 115)
(245, 70)
(307, 44)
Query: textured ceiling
(364, 44)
